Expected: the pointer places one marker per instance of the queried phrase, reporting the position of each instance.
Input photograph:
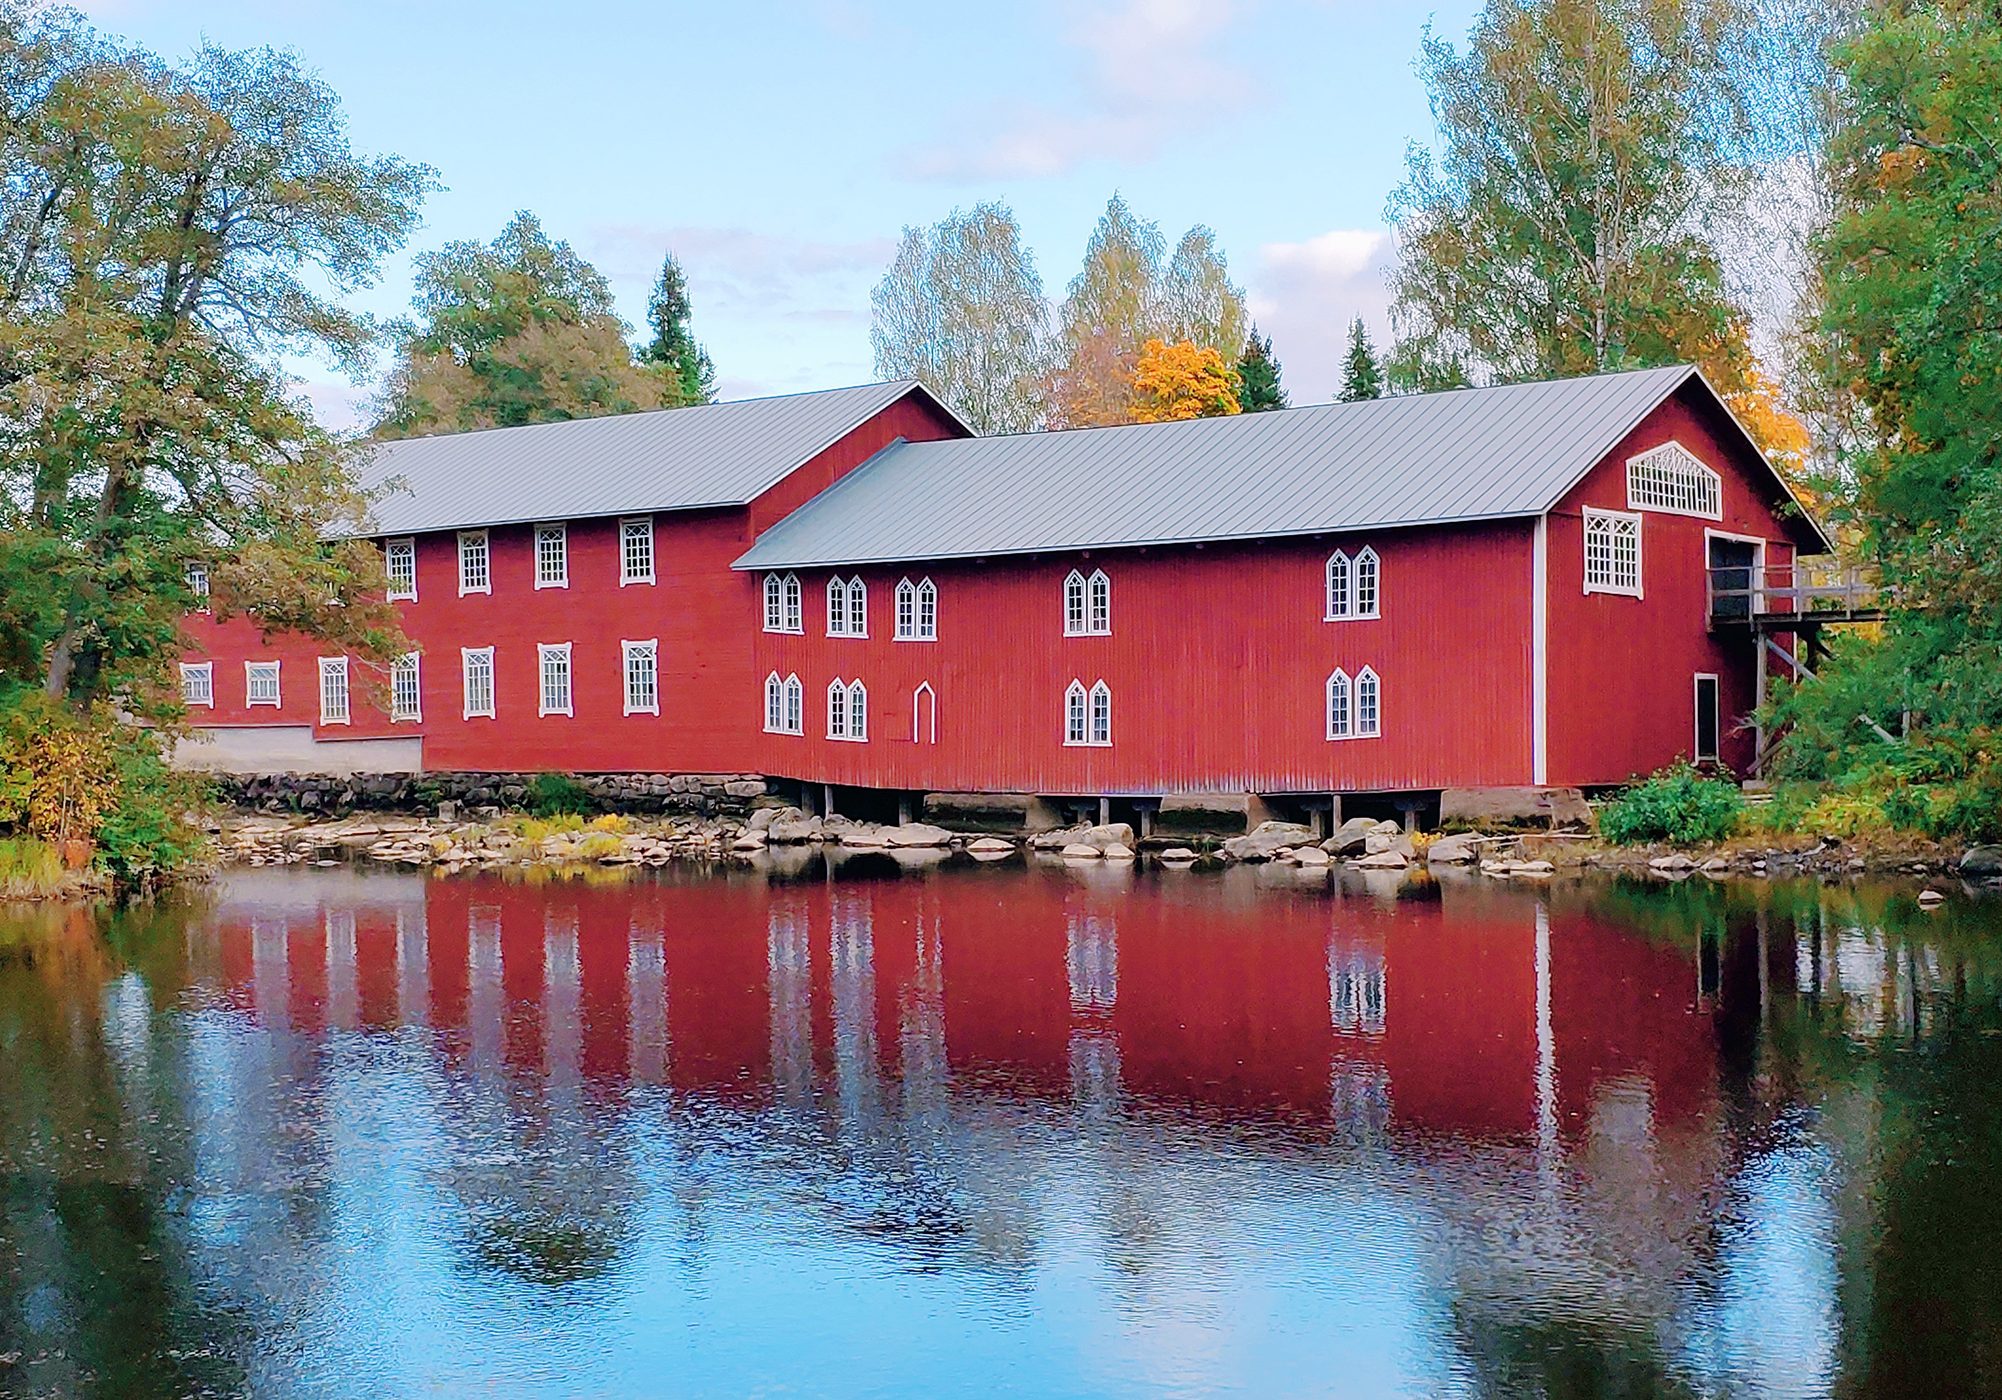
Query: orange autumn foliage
(1181, 381)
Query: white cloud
(1148, 71)
(1305, 294)
(337, 406)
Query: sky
(779, 149)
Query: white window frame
(774, 603)
(858, 607)
(1077, 714)
(251, 671)
(485, 655)
(1100, 716)
(198, 585)
(1098, 604)
(545, 652)
(1368, 570)
(858, 713)
(837, 709)
(560, 534)
(775, 702)
(401, 589)
(795, 611)
(1696, 717)
(918, 735)
(632, 528)
(335, 668)
(198, 676)
(1074, 605)
(1345, 726)
(1343, 583)
(847, 607)
(629, 651)
(795, 698)
(917, 611)
(1674, 481)
(1593, 516)
(485, 554)
(409, 664)
(1369, 686)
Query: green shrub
(29, 869)
(1677, 804)
(556, 795)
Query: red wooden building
(1504, 587)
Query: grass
(30, 869)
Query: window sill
(917, 639)
(540, 585)
(1353, 617)
(1608, 591)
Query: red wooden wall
(1622, 670)
(1218, 662)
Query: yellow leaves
(59, 770)
(1175, 382)
(1782, 436)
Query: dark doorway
(1733, 577)
(1706, 719)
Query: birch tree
(961, 309)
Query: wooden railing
(1825, 593)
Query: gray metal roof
(1419, 459)
(672, 459)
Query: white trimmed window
(1671, 478)
(1353, 585)
(476, 673)
(1355, 705)
(837, 709)
(552, 664)
(198, 584)
(795, 714)
(399, 561)
(917, 611)
(198, 683)
(260, 683)
(1087, 715)
(406, 691)
(847, 608)
(782, 609)
(1612, 552)
(1087, 604)
(1341, 706)
(858, 711)
(475, 575)
(636, 550)
(552, 556)
(775, 704)
(333, 690)
(642, 668)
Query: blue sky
(780, 148)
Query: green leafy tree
(1362, 373)
(1912, 265)
(519, 330)
(166, 232)
(1557, 230)
(690, 375)
(1259, 387)
(961, 308)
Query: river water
(986, 1130)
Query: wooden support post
(827, 799)
(1409, 810)
(1148, 811)
(1334, 812)
(1758, 703)
(1317, 821)
(1104, 810)
(903, 809)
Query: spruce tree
(691, 375)
(1258, 376)
(1362, 375)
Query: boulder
(1350, 837)
(1674, 862)
(749, 841)
(1177, 855)
(765, 816)
(990, 846)
(745, 787)
(1108, 835)
(1077, 850)
(1982, 862)
(1533, 869)
(864, 838)
(1379, 841)
(1383, 860)
(1268, 840)
(1057, 840)
(793, 831)
(1460, 849)
(1560, 808)
(1313, 856)
(918, 834)
(1117, 851)
(1931, 899)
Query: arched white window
(775, 704)
(928, 611)
(907, 610)
(1099, 622)
(1367, 573)
(837, 709)
(1671, 478)
(924, 714)
(1341, 706)
(858, 608)
(858, 712)
(1101, 713)
(775, 613)
(1076, 712)
(917, 611)
(1341, 590)
(1369, 705)
(795, 711)
(1074, 610)
(794, 621)
(837, 607)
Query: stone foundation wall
(704, 794)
